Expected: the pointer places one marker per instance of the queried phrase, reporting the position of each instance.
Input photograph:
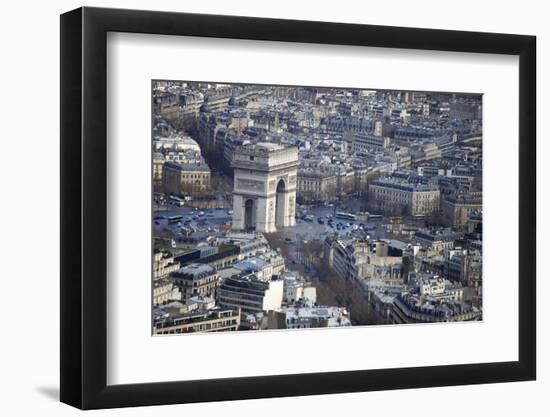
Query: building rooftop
(194, 271)
(187, 166)
(403, 185)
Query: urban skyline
(284, 207)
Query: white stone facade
(264, 191)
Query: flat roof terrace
(265, 157)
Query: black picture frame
(84, 207)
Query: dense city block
(281, 207)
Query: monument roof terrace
(265, 156)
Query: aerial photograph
(298, 207)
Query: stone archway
(249, 215)
(266, 174)
(280, 204)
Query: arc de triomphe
(264, 190)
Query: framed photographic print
(256, 208)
